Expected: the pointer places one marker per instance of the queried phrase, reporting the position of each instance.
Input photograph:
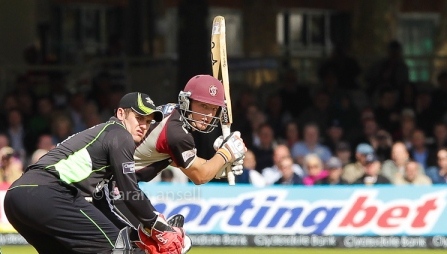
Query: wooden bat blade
(219, 64)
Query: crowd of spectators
(391, 131)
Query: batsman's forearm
(202, 171)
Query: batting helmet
(203, 88)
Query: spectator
(394, 168)
(371, 175)
(4, 140)
(353, 171)
(264, 151)
(343, 152)
(273, 173)
(288, 177)
(420, 151)
(335, 169)
(292, 135)
(334, 134)
(76, 104)
(17, 133)
(314, 167)
(11, 167)
(382, 145)
(438, 174)
(37, 155)
(439, 135)
(45, 142)
(249, 174)
(61, 128)
(369, 131)
(412, 175)
(310, 144)
(406, 128)
(426, 113)
(167, 176)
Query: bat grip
(226, 131)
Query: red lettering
(386, 219)
(423, 210)
(353, 217)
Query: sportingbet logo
(268, 212)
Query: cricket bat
(220, 71)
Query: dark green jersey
(86, 158)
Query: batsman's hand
(161, 238)
(232, 148)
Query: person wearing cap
(353, 171)
(47, 204)
(335, 168)
(371, 174)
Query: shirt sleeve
(120, 146)
(182, 147)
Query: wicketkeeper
(46, 205)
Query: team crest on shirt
(189, 154)
(213, 90)
(129, 167)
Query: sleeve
(182, 147)
(120, 147)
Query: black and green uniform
(47, 205)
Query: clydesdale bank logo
(128, 167)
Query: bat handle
(226, 131)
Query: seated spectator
(335, 169)
(343, 152)
(439, 174)
(11, 167)
(382, 145)
(439, 136)
(395, 167)
(310, 144)
(292, 135)
(334, 134)
(249, 174)
(264, 151)
(315, 170)
(420, 151)
(353, 171)
(288, 176)
(273, 173)
(166, 176)
(4, 140)
(371, 175)
(37, 155)
(412, 176)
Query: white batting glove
(218, 142)
(238, 166)
(232, 148)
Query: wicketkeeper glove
(161, 238)
(232, 149)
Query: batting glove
(232, 148)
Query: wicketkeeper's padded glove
(161, 238)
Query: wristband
(225, 154)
